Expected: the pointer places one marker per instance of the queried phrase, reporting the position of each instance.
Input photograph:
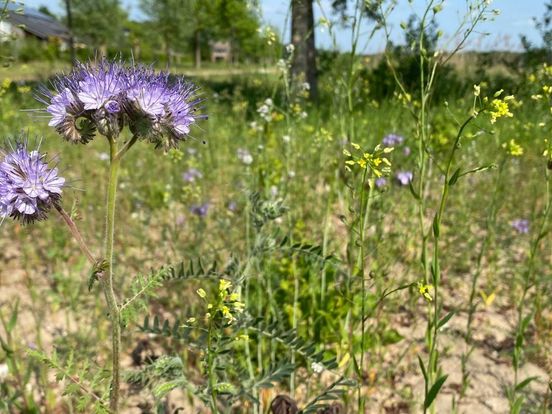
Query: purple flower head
(107, 96)
(406, 151)
(392, 140)
(192, 175)
(381, 182)
(28, 187)
(200, 210)
(101, 84)
(148, 92)
(521, 226)
(404, 177)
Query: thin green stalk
(365, 203)
(432, 367)
(210, 369)
(107, 279)
(76, 233)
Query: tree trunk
(197, 46)
(302, 37)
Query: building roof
(36, 23)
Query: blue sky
(516, 18)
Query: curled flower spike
(107, 96)
(28, 187)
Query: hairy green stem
(107, 279)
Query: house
(27, 22)
(221, 51)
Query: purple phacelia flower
(392, 140)
(101, 84)
(108, 96)
(28, 187)
(192, 175)
(381, 182)
(521, 226)
(200, 210)
(404, 177)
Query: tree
(180, 21)
(197, 22)
(170, 18)
(302, 38)
(98, 22)
(69, 17)
(238, 23)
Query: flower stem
(76, 233)
(107, 280)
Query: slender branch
(76, 233)
(126, 147)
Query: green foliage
(98, 23)
(81, 382)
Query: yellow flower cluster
(226, 304)
(513, 148)
(376, 161)
(499, 108)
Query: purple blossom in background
(244, 156)
(521, 226)
(406, 151)
(392, 140)
(404, 177)
(192, 175)
(200, 210)
(28, 187)
(107, 96)
(381, 182)
(232, 206)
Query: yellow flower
(224, 285)
(201, 293)
(500, 108)
(513, 148)
(424, 289)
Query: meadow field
(385, 249)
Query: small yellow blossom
(224, 285)
(201, 293)
(513, 148)
(424, 289)
(499, 109)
